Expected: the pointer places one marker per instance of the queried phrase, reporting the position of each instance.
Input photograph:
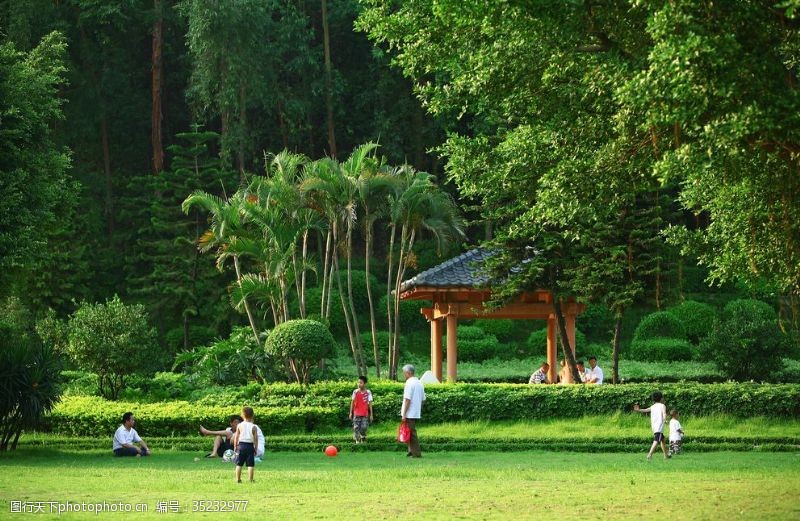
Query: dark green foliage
(30, 377)
(504, 329)
(697, 319)
(112, 340)
(302, 343)
(597, 322)
(410, 317)
(183, 290)
(746, 343)
(536, 345)
(660, 324)
(661, 350)
(383, 346)
(475, 345)
(231, 361)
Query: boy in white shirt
(245, 444)
(658, 417)
(675, 433)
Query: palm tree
(335, 195)
(373, 184)
(224, 230)
(419, 205)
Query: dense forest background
(149, 88)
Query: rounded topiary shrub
(303, 343)
(660, 324)
(697, 319)
(474, 345)
(661, 350)
(502, 328)
(747, 343)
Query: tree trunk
(565, 345)
(242, 132)
(302, 296)
(326, 43)
(615, 348)
(357, 356)
(372, 325)
(246, 306)
(107, 171)
(322, 309)
(389, 303)
(354, 315)
(157, 69)
(405, 248)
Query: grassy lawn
(479, 485)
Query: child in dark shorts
(245, 443)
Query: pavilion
(457, 289)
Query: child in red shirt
(361, 410)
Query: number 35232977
(215, 505)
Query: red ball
(330, 450)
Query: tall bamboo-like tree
(417, 205)
(224, 231)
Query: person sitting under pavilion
(540, 375)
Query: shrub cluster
(97, 417)
(660, 337)
(288, 408)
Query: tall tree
(158, 68)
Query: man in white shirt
(594, 375)
(411, 410)
(126, 436)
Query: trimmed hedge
(660, 324)
(290, 408)
(661, 350)
(317, 443)
(94, 416)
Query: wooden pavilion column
(452, 348)
(552, 354)
(436, 348)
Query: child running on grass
(658, 417)
(675, 433)
(245, 443)
(361, 410)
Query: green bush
(292, 408)
(112, 340)
(660, 324)
(96, 417)
(303, 343)
(503, 328)
(661, 350)
(697, 319)
(383, 346)
(536, 345)
(747, 343)
(198, 336)
(233, 360)
(30, 377)
(474, 345)
(410, 317)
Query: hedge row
(94, 416)
(286, 408)
(312, 443)
(513, 402)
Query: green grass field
(477, 485)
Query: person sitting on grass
(540, 375)
(245, 444)
(126, 436)
(222, 441)
(658, 416)
(361, 410)
(675, 434)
